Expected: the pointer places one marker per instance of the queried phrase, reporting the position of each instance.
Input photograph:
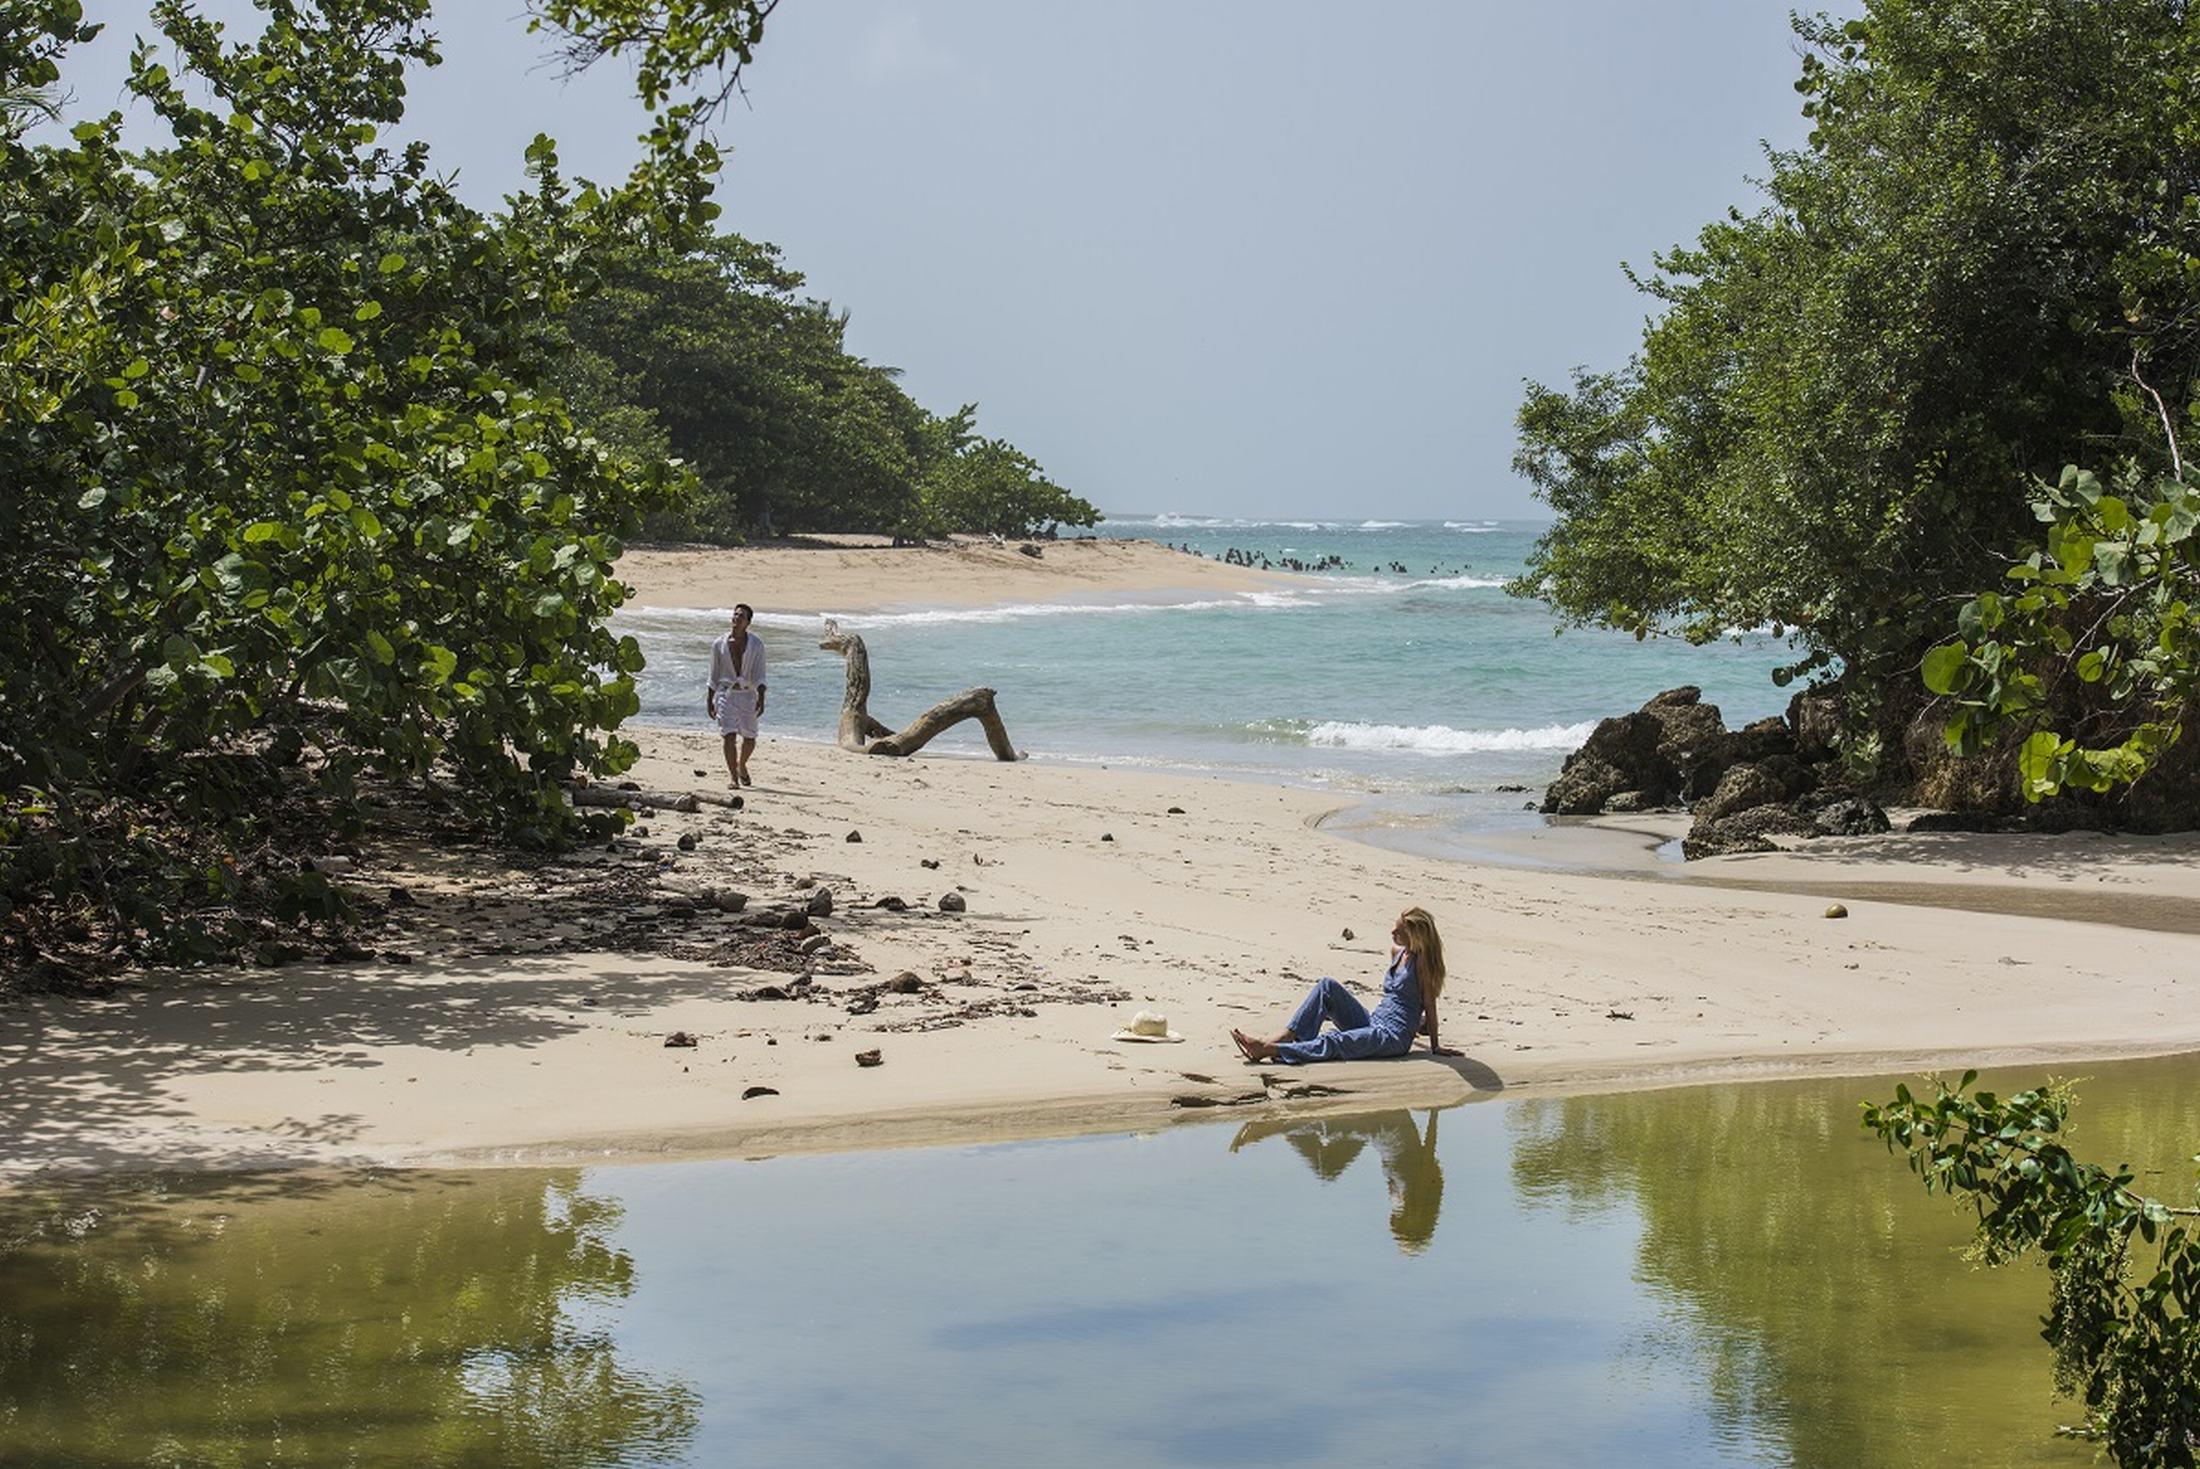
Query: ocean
(1428, 686)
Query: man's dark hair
(745, 607)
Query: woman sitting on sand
(1415, 979)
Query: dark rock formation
(1814, 721)
(1767, 739)
(1849, 816)
(1693, 739)
(1740, 789)
(1620, 754)
(1774, 778)
(1746, 831)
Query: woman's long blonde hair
(1427, 950)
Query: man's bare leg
(748, 748)
(733, 758)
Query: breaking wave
(1442, 739)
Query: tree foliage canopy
(717, 357)
(1835, 422)
(282, 478)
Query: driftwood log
(632, 800)
(652, 800)
(864, 735)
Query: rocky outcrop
(1767, 739)
(1746, 831)
(1740, 789)
(1692, 739)
(1813, 723)
(1775, 778)
(1620, 754)
(1850, 816)
(1777, 797)
(1675, 748)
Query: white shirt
(724, 676)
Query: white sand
(963, 573)
(1217, 917)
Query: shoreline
(858, 574)
(510, 1025)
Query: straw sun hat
(1148, 1025)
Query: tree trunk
(864, 735)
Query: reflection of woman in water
(1410, 988)
(1330, 1144)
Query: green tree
(750, 383)
(2097, 640)
(2126, 1337)
(1831, 422)
(989, 485)
(283, 480)
(718, 356)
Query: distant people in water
(734, 698)
(1408, 1008)
(1260, 560)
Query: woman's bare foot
(1252, 1049)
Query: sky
(1199, 256)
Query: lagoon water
(1729, 1275)
(1431, 682)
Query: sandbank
(867, 574)
(516, 1034)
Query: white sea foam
(1376, 586)
(1313, 594)
(1472, 527)
(1382, 525)
(937, 616)
(1171, 520)
(1442, 739)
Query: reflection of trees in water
(1824, 1287)
(408, 1321)
(1408, 1156)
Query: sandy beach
(518, 1010)
(865, 573)
(512, 1035)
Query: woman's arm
(1428, 1023)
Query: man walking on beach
(735, 697)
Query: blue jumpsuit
(1359, 1035)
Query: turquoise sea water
(1430, 681)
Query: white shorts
(737, 712)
